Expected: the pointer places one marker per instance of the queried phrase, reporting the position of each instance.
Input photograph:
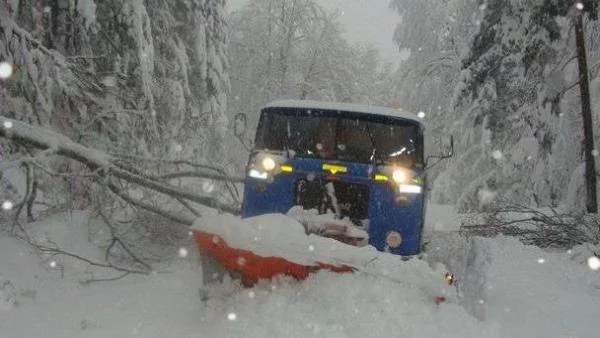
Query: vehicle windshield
(339, 136)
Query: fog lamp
(393, 239)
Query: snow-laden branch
(104, 165)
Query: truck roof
(350, 107)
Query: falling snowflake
(215, 239)
(311, 248)
(251, 294)
(178, 148)
(421, 115)
(208, 186)
(579, 5)
(183, 252)
(541, 260)
(482, 7)
(241, 261)
(6, 70)
(486, 196)
(497, 155)
(109, 81)
(594, 263)
(52, 264)
(595, 152)
(8, 124)
(231, 316)
(7, 205)
(47, 9)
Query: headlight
(400, 176)
(268, 164)
(393, 239)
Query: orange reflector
(287, 168)
(334, 169)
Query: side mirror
(448, 153)
(240, 124)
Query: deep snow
(529, 293)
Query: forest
(157, 88)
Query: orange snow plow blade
(253, 267)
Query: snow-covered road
(528, 293)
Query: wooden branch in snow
(103, 164)
(218, 177)
(533, 226)
(182, 219)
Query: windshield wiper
(375, 152)
(288, 131)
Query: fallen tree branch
(102, 163)
(116, 240)
(532, 226)
(220, 177)
(54, 251)
(182, 219)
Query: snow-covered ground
(528, 293)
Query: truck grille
(347, 199)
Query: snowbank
(529, 293)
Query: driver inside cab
(325, 145)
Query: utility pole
(586, 113)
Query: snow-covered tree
(294, 49)
(135, 77)
(501, 76)
(509, 112)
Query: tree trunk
(586, 113)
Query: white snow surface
(529, 292)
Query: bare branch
(117, 240)
(101, 162)
(200, 174)
(181, 219)
(560, 230)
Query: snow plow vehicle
(352, 173)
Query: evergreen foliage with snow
(506, 91)
(130, 76)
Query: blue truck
(362, 164)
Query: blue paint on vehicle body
(388, 209)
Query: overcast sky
(364, 21)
